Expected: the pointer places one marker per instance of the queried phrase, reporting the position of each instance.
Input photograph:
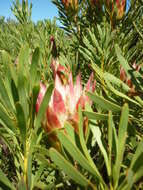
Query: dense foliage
(71, 97)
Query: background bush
(92, 39)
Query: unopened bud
(120, 8)
(70, 4)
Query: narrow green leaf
(103, 103)
(135, 171)
(86, 53)
(43, 106)
(14, 91)
(22, 94)
(139, 173)
(62, 163)
(41, 150)
(131, 178)
(94, 40)
(22, 185)
(7, 78)
(35, 92)
(41, 185)
(75, 152)
(134, 75)
(4, 96)
(23, 57)
(121, 59)
(5, 181)
(97, 135)
(34, 65)
(21, 123)
(100, 32)
(95, 115)
(6, 119)
(123, 129)
(38, 173)
(121, 94)
(89, 46)
(13, 73)
(110, 137)
(115, 140)
(98, 71)
(6, 61)
(70, 131)
(137, 98)
(84, 147)
(22, 78)
(113, 79)
(138, 152)
(122, 133)
(29, 169)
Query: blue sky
(42, 9)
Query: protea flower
(96, 5)
(124, 77)
(57, 68)
(54, 47)
(65, 101)
(60, 70)
(94, 2)
(118, 7)
(70, 4)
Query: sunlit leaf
(71, 171)
(103, 103)
(5, 183)
(122, 134)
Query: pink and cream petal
(52, 119)
(89, 83)
(40, 96)
(54, 66)
(81, 102)
(71, 87)
(78, 88)
(71, 95)
(60, 87)
(123, 75)
(58, 102)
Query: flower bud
(70, 4)
(96, 4)
(117, 8)
(126, 79)
(120, 8)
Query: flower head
(60, 70)
(40, 96)
(65, 101)
(117, 8)
(70, 4)
(120, 8)
(125, 78)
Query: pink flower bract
(65, 100)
